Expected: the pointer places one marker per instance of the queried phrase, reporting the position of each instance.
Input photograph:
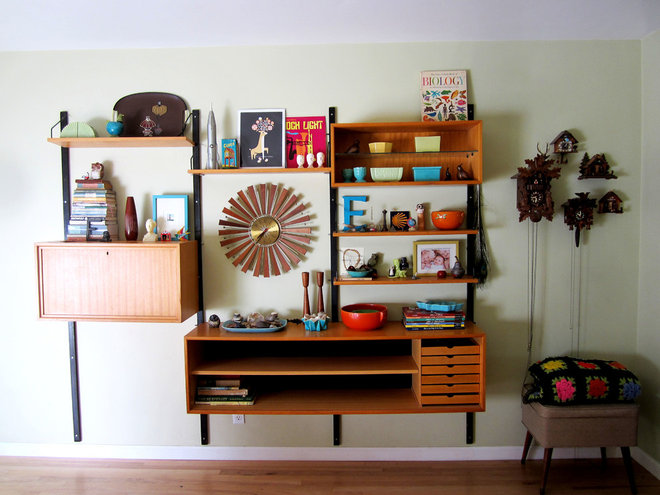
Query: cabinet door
(118, 282)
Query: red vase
(130, 220)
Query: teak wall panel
(154, 282)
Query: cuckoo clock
(595, 167)
(579, 214)
(610, 203)
(564, 143)
(265, 230)
(534, 200)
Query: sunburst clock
(264, 230)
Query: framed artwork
(431, 256)
(261, 138)
(305, 135)
(170, 212)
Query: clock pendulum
(265, 230)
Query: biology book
(444, 95)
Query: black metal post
(336, 429)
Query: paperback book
(444, 95)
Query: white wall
(132, 383)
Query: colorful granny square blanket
(567, 380)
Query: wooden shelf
(336, 401)
(404, 281)
(415, 233)
(124, 142)
(260, 170)
(407, 183)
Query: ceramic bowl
(386, 174)
(364, 316)
(447, 219)
(380, 147)
(359, 273)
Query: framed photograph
(431, 256)
(170, 212)
(261, 138)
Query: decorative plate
(264, 230)
(440, 305)
(255, 330)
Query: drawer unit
(451, 371)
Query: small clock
(534, 200)
(265, 230)
(579, 214)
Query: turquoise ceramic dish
(426, 173)
(440, 305)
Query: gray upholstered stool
(603, 425)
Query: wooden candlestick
(305, 282)
(320, 307)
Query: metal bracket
(469, 428)
(336, 429)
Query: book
(223, 391)
(220, 382)
(93, 184)
(229, 153)
(223, 400)
(444, 95)
(305, 135)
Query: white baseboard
(303, 453)
(646, 461)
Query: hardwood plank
(31, 476)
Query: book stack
(93, 211)
(423, 319)
(223, 391)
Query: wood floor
(35, 476)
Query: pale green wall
(132, 384)
(648, 340)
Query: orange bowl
(447, 219)
(364, 316)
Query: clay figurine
(457, 270)
(214, 321)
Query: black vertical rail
(334, 241)
(197, 213)
(73, 334)
(471, 248)
(469, 428)
(336, 429)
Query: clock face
(536, 198)
(265, 230)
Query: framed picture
(431, 256)
(170, 212)
(261, 137)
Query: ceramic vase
(130, 220)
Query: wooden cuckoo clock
(534, 200)
(564, 143)
(595, 167)
(579, 214)
(264, 230)
(610, 203)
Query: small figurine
(447, 174)
(150, 236)
(97, 171)
(461, 174)
(400, 268)
(182, 234)
(320, 158)
(458, 271)
(372, 263)
(148, 126)
(214, 321)
(310, 160)
(383, 226)
(421, 224)
(300, 160)
(354, 148)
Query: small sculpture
(354, 148)
(320, 306)
(305, 283)
(372, 263)
(457, 270)
(310, 160)
(97, 171)
(150, 236)
(214, 321)
(421, 224)
(148, 126)
(447, 174)
(461, 174)
(383, 227)
(320, 158)
(400, 269)
(300, 160)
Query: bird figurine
(461, 174)
(354, 148)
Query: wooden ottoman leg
(547, 457)
(627, 462)
(528, 443)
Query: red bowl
(364, 316)
(447, 219)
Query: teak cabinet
(342, 371)
(117, 281)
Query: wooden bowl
(364, 316)
(447, 219)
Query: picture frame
(431, 256)
(170, 212)
(262, 137)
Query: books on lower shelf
(93, 211)
(422, 319)
(223, 391)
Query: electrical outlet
(238, 419)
